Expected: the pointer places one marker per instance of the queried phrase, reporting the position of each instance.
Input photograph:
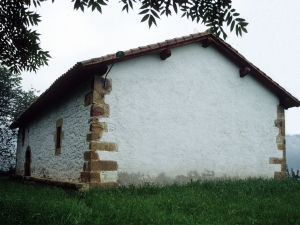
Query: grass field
(251, 201)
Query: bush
(292, 174)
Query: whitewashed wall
(68, 165)
(187, 117)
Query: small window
(59, 134)
(23, 136)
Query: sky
(72, 36)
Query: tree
(20, 46)
(13, 101)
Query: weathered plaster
(189, 116)
(74, 118)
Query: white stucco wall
(44, 163)
(187, 117)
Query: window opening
(58, 133)
(23, 136)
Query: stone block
(108, 177)
(98, 165)
(90, 177)
(98, 85)
(274, 160)
(99, 110)
(98, 127)
(93, 120)
(283, 167)
(59, 122)
(57, 151)
(103, 146)
(280, 110)
(281, 147)
(93, 137)
(279, 175)
(91, 155)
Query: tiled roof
(82, 71)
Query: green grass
(251, 201)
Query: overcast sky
(71, 36)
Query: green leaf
(144, 11)
(236, 14)
(144, 6)
(130, 4)
(244, 24)
(175, 7)
(240, 19)
(232, 26)
(101, 2)
(244, 29)
(150, 22)
(145, 18)
(99, 8)
(125, 7)
(93, 7)
(154, 13)
(91, 2)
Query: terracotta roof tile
(144, 48)
(152, 46)
(171, 41)
(127, 52)
(135, 50)
(179, 39)
(72, 77)
(162, 44)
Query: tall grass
(251, 201)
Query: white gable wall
(44, 163)
(187, 117)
